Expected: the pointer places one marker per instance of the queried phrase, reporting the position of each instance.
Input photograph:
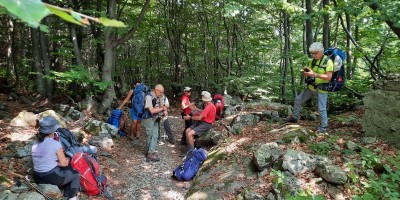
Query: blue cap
(48, 125)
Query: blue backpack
(71, 146)
(338, 77)
(189, 168)
(114, 120)
(138, 100)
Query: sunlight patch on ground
(286, 128)
(22, 135)
(172, 195)
(232, 147)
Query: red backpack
(218, 101)
(91, 182)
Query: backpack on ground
(91, 181)
(218, 101)
(338, 56)
(70, 145)
(115, 120)
(191, 165)
(138, 100)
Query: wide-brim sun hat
(187, 89)
(206, 96)
(48, 124)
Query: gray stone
(332, 173)
(266, 155)
(8, 195)
(237, 129)
(50, 190)
(246, 119)
(99, 128)
(30, 196)
(352, 146)
(297, 162)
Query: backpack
(91, 181)
(218, 101)
(138, 100)
(191, 165)
(338, 56)
(114, 120)
(70, 145)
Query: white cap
(187, 89)
(206, 96)
(316, 46)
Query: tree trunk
(37, 62)
(309, 34)
(349, 64)
(326, 29)
(109, 53)
(46, 63)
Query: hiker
(187, 111)
(153, 105)
(166, 123)
(205, 120)
(136, 121)
(317, 75)
(50, 164)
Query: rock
(30, 196)
(297, 162)
(24, 119)
(51, 190)
(266, 155)
(332, 173)
(8, 195)
(246, 119)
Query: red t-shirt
(209, 113)
(185, 100)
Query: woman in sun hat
(50, 164)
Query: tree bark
(37, 62)
(111, 43)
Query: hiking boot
(171, 141)
(291, 120)
(152, 157)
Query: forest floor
(131, 177)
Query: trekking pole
(17, 178)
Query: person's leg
(168, 131)
(299, 100)
(189, 132)
(322, 102)
(148, 125)
(188, 123)
(136, 128)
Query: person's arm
(62, 159)
(127, 98)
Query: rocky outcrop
(382, 110)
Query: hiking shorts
(133, 116)
(200, 128)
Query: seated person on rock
(205, 120)
(50, 164)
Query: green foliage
(321, 148)
(369, 159)
(33, 11)
(81, 76)
(305, 196)
(381, 186)
(278, 177)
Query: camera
(306, 69)
(310, 81)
